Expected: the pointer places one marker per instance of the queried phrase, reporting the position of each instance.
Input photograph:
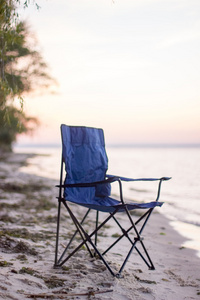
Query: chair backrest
(85, 158)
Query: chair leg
(151, 266)
(88, 238)
(71, 240)
(97, 221)
(138, 238)
(78, 227)
(57, 233)
(75, 233)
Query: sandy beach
(28, 210)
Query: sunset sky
(131, 67)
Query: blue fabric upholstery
(86, 161)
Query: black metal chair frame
(91, 238)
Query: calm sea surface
(181, 194)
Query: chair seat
(108, 204)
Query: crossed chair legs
(91, 239)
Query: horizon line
(115, 145)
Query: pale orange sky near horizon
(130, 67)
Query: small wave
(139, 190)
(195, 223)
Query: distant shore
(27, 242)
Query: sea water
(181, 194)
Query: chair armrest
(119, 179)
(138, 179)
(89, 184)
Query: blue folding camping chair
(87, 184)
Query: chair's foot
(56, 266)
(119, 275)
(152, 268)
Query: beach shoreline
(28, 225)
